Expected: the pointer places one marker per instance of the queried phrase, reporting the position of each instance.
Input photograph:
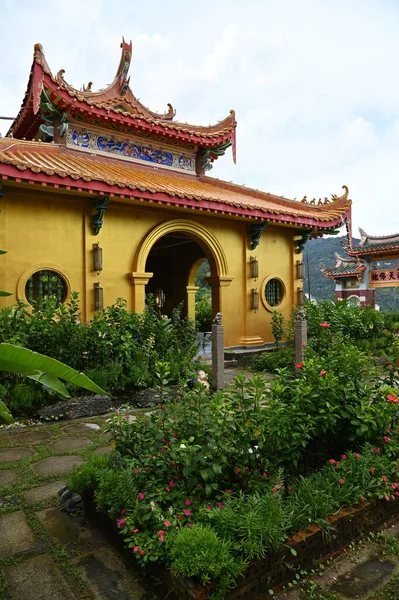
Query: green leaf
(293, 552)
(217, 469)
(5, 413)
(16, 359)
(2, 294)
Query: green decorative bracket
(101, 207)
(300, 243)
(255, 231)
(208, 155)
(1, 192)
(51, 116)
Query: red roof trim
(217, 207)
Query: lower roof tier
(63, 167)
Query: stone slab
(37, 579)
(106, 574)
(8, 476)
(13, 454)
(364, 578)
(70, 531)
(56, 465)
(44, 492)
(15, 534)
(30, 437)
(79, 428)
(69, 444)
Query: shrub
(272, 361)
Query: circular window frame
(263, 293)
(45, 266)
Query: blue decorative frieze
(130, 148)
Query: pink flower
(136, 530)
(189, 524)
(332, 461)
(384, 478)
(376, 450)
(140, 496)
(167, 523)
(265, 475)
(136, 471)
(341, 481)
(394, 486)
(386, 438)
(372, 469)
(121, 522)
(323, 373)
(304, 345)
(135, 548)
(387, 498)
(123, 512)
(209, 507)
(187, 512)
(299, 365)
(187, 502)
(357, 455)
(142, 552)
(392, 398)
(344, 456)
(238, 470)
(172, 484)
(325, 325)
(167, 489)
(219, 504)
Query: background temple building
(104, 197)
(371, 264)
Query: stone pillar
(191, 291)
(140, 280)
(218, 351)
(301, 335)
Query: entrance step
(230, 364)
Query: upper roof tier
(55, 165)
(369, 244)
(114, 106)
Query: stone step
(230, 364)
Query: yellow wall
(52, 229)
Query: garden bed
(278, 568)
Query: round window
(43, 285)
(274, 292)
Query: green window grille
(274, 292)
(43, 285)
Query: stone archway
(211, 247)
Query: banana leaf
(5, 413)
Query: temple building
(369, 265)
(102, 196)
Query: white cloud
(313, 83)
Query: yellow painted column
(140, 280)
(219, 284)
(191, 291)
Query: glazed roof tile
(344, 267)
(54, 163)
(373, 244)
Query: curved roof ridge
(376, 239)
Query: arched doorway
(166, 263)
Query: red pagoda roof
(115, 106)
(369, 245)
(344, 267)
(49, 164)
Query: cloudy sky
(314, 83)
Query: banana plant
(43, 369)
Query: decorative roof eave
(81, 185)
(335, 272)
(88, 103)
(377, 239)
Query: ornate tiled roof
(64, 167)
(388, 244)
(115, 106)
(344, 267)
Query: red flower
(121, 522)
(265, 475)
(187, 502)
(209, 507)
(136, 530)
(323, 373)
(238, 470)
(357, 455)
(376, 450)
(140, 496)
(219, 504)
(187, 512)
(324, 325)
(142, 552)
(372, 469)
(135, 548)
(384, 478)
(344, 456)
(387, 498)
(299, 365)
(386, 438)
(392, 398)
(332, 461)
(304, 345)
(123, 512)
(341, 481)
(167, 523)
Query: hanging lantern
(254, 300)
(98, 297)
(254, 267)
(97, 258)
(300, 297)
(299, 269)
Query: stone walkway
(46, 554)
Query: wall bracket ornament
(101, 207)
(52, 117)
(255, 231)
(209, 155)
(303, 237)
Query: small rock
(91, 425)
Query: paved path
(46, 554)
